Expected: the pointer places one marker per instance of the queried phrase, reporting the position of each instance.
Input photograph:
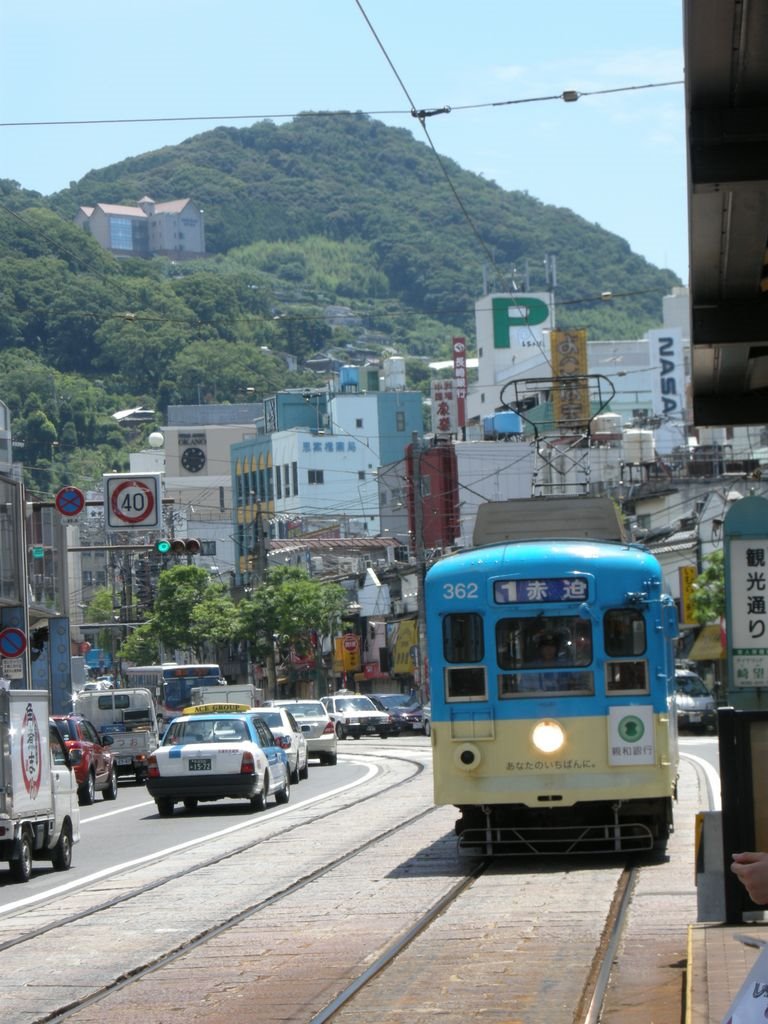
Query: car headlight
(548, 736)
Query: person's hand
(751, 869)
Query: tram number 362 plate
(199, 764)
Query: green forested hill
(334, 209)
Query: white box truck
(129, 717)
(233, 693)
(39, 810)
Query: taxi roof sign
(214, 709)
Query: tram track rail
(254, 847)
(232, 922)
(184, 872)
(596, 979)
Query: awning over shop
(708, 645)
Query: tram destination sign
(540, 591)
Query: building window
(207, 547)
(361, 474)
(359, 424)
(400, 421)
(287, 480)
(314, 476)
(120, 233)
(295, 475)
(278, 483)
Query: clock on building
(193, 459)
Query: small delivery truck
(245, 694)
(39, 809)
(129, 717)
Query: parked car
(696, 707)
(356, 715)
(405, 710)
(426, 719)
(316, 725)
(215, 755)
(290, 737)
(96, 770)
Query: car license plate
(694, 718)
(125, 760)
(199, 764)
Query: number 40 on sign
(132, 500)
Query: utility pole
(417, 448)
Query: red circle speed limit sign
(132, 501)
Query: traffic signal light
(143, 571)
(185, 546)
(178, 546)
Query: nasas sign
(667, 370)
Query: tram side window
(626, 676)
(463, 645)
(625, 637)
(624, 631)
(463, 638)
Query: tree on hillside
(237, 365)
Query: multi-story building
(175, 228)
(314, 470)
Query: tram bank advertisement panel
(39, 811)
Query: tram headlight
(548, 736)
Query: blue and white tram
(552, 688)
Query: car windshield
(397, 700)
(310, 709)
(67, 729)
(273, 718)
(355, 704)
(692, 686)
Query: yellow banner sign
(570, 398)
(687, 575)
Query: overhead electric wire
(568, 96)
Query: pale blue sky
(617, 159)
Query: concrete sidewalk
(717, 967)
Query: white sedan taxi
(211, 754)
